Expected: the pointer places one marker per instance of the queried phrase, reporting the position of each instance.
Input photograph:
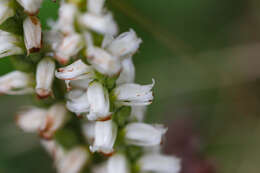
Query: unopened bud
(32, 34)
(44, 77)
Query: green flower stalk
(90, 116)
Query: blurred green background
(204, 56)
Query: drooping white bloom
(44, 77)
(54, 149)
(125, 44)
(105, 136)
(6, 10)
(32, 34)
(73, 161)
(55, 119)
(76, 75)
(127, 75)
(10, 44)
(98, 99)
(74, 71)
(31, 119)
(103, 62)
(159, 163)
(16, 83)
(142, 134)
(95, 6)
(30, 6)
(69, 46)
(78, 103)
(88, 130)
(117, 164)
(67, 13)
(131, 94)
(103, 24)
(138, 113)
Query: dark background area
(204, 57)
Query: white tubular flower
(10, 44)
(16, 83)
(55, 119)
(127, 75)
(138, 113)
(103, 62)
(70, 46)
(98, 99)
(73, 71)
(6, 10)
(53, 149)
(67, 13)
(32, 34)
(88, 130)
(30, 6)
(104, 138)
(158, 163)
(73, 161)
(44, 77)
(133, 94)
(142, 134)
(125, 44)
(95, 6)
(103, 24)
(117, 164)
(78, 104)
(31, 119)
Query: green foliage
(121, 116)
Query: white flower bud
(105, 136)
(67, 13)
(95, 6)
(125, 44)
(16, 83)
(32, 34)
(55, 119)
(30, 6)
(44, 77)
(138, 113)
(6, 10)
(159, 163)
(78, 104)
(74, 71)
(127, 74)
(98, 99)
(142, 134)
(103, 62)
(70, 46)
(103, 24)
(117, 164)
(73, 161)
(133, 94)
(31, 119)
(10, 44)
(53, 149)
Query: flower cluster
(82, 67)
